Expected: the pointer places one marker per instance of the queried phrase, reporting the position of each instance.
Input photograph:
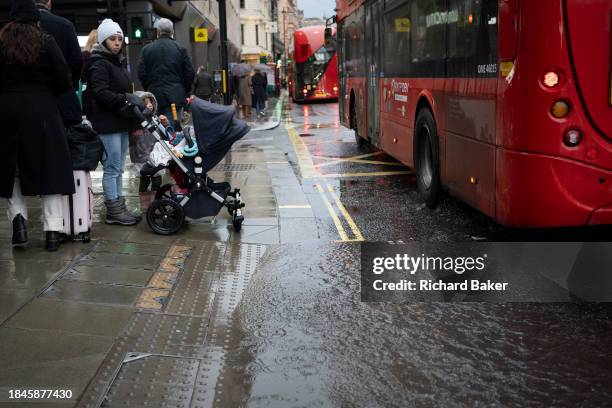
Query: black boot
(115, 214)
(53, 241)
(20, 232)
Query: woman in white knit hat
(108, 92)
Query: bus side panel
(398, 129)
(470, 171)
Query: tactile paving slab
(192, 335)
(234, 167)
(192, 294)
(160, 381)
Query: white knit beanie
(108, 28)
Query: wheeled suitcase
(78, 209)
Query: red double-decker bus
(507, 104)
(314, 70)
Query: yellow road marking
(361, 156)
(305, 162)
(345, 213)
(359, 161)
(322, 143)
(333, 214)
(373, 174)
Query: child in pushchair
(215, 129)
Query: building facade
(288, 22)
(256, 29)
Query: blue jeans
(116, 145)
(260, 105)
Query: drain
(306, 134)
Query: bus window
(397, 38)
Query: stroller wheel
(163, 192)
(237, 222)
(165, 216)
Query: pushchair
(216, 128)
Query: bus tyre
(427, 158)
(361, 142)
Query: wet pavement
(271, 316)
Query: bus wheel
(361, 142)
(427, 158)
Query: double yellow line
(334, 206)
(344, 237)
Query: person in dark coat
(33, 73)
(165, 69)
(260, 85)
(106, 106)
(203, 87)
(65, 36)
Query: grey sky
(317, 8)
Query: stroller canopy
(216, 129)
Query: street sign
(402, 25)
(200, 35)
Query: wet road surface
(271, 316)
(312, 342)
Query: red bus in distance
(314, 67)
(515, 122)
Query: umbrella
(241, 69)
(262, 67)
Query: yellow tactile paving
(152, 299)
(178, 251)
(171, 264)
(163, 280)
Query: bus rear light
(550, 79)
(560, 109)
(572, 138)
(335, 88)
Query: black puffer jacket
(107, 85)
(165, 70)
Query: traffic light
(138, 30)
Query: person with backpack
(108, 105)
